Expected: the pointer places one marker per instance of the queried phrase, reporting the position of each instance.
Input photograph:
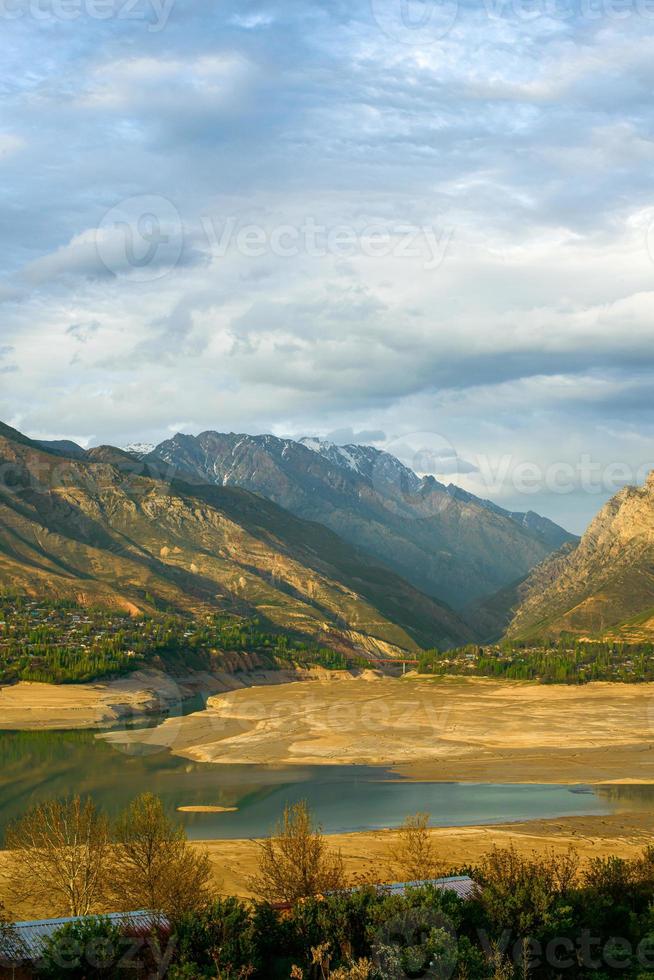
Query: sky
(423, 224)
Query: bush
(86, 949)
(220, 937)
(529, 895)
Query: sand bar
(452, 729)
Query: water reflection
(39, 765)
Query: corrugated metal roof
(27, 939)
(463, 885)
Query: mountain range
(444, 541)
(345, 544)
(100, 526)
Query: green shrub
(220, 937)
(89, 948)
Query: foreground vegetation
(61, 642)
(546, 917)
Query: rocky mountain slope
(105, 528)
(602, 588)
(443, 540)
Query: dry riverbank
(28, 706)
(448, 729)
(367, 855)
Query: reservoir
(36, 766)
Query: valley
(326, 491)
(170, 623)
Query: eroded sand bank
(28, 706)
(451, 729)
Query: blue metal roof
(463, 885)
(26, 940)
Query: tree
(59, 854)
(415, 854)
(295, 862)
(527, 893)
(221, 935)
(154, 867)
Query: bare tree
(414, 855)
(153, 865)
(321, 958)
(59, 853)
(296, 861)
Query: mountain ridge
(108, 529)
(604, 588)
(443, 540)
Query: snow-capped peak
(139, 448)
(341, 455)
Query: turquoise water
(41, 765)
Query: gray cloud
(348, 436)
(83, 332)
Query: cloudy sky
(411, 222)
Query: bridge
(395, 662)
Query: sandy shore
(452, 729)
(367, 855)
(448, 729)
(30, 706)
